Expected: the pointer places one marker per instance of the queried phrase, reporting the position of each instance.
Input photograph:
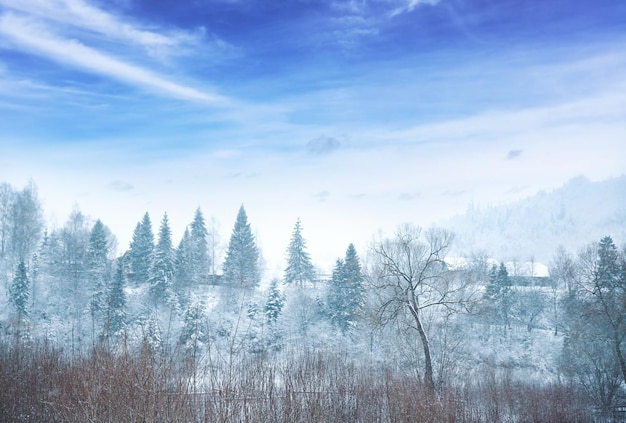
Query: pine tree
(199, 249)
(192, 333)
(98, 251)
(162, 271)
(336, 297)
(355, 291)
(346, 294)
(117, 302)
(184, 261)
(141, 250)
(274, 304)
(241, 264)
(20, 290)
(299, 268)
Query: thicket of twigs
(42, 383)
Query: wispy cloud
(80, 14)
(35, 38)
(514, 154)
(121, 186)
(410, 5)
(323, 145)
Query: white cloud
(409, 6)
(34, 37)
(80, 14)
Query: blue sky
(352, 115)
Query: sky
(354, 116)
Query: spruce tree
(346, 294)
(274, 304)
(141, 249)
(336, 297)
(199, 249)
(98, 251)
(299, 268)
(241, 264)
(355, 291)
(184, 261)
(20, 290)
(162, 271)
(117, 302)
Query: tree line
(158, 295)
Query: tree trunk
(620, 357)
(428, 364)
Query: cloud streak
(29, 35)
(79, 14)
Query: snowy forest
(170, 329)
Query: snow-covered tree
(346, 293)
(183, 261)
(299, 268)
(241, 267)
(141, 249)
(199, 248)
(499, 294)
(275, 302)
(117, 302)
(7, 196)
(26, 223)
(162, 271)
(20, 290)
(192, 333)
(98, 268)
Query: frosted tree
(499, 294)
(346, 293)
(410, 275)
(275, 302)
(241, 268)
(162, 271)
(299, 268)
(336, 297)
(26, 223)
(117, 302)
(184, 261)
(20, 291)
(594, 348)
(71, 252)
(141, 249)
(98, 268)
(7, 196)
(199, 248)
(192, 333)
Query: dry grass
(41, 384)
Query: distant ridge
(579, 212)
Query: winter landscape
(312, 211)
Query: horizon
(352, 116)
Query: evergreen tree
(141, 250)
(299, 268)
(20, 290)
(117, 302)
(184, 261)
(241, 264)
(192, 333)
(274, 304)
(162, 271)
(355, 291)
(98, 267)
(493, 289)
(346, 294)
(199, 249)
(499, 293)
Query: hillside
(579, 212)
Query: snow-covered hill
(579, 212)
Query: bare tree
(410, 275)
